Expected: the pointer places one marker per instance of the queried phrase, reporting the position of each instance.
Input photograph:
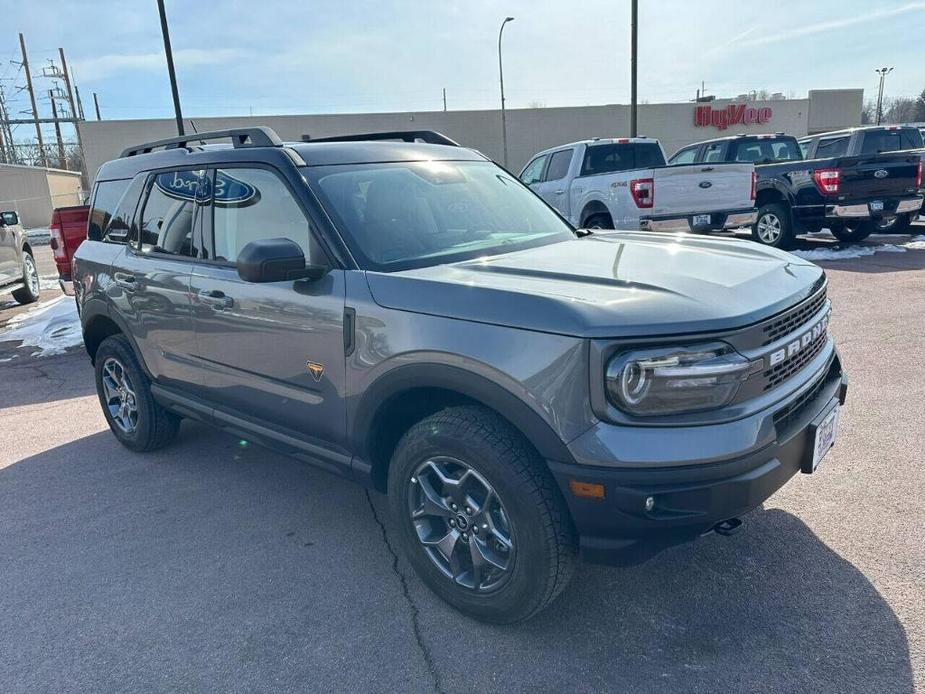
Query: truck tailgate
(698, 188)
(877, 175)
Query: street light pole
(883, 72)
(634, 35)
(501, 78)
(170, 69)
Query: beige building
(529, 130)
(33, 192)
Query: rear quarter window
(106, 198)
(610, 158)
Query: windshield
(401, 215)
(766, 150)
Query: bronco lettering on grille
(800, 343)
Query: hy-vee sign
(733, 114)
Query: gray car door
(554, 186)
(273, 352)
(151, 276)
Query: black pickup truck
(850, 195)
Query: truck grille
(793, 319)
(787, 368)
(783, 418)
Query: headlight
(674, 380)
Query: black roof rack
(429, 136)
(259, 136)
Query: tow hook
(728, 527)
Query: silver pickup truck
(18, 273)
(624, 183)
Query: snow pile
(51, 327)
(841, 253)
(916, 243)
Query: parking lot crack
(415, 612)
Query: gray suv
(400, 311)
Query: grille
(784, 417)
(781, 372)
(794, 319)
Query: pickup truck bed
(68, 230)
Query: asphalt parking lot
(219, 566)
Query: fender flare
(464, 382)
(95, 308)
(595, 198)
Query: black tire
(30, 276)
(897, 225)
(773, 226)
(854, 232)
(154, 427)
(543, 557)
(601, 220)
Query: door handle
(124, 280)
(216, 298)
(559, 192)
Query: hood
(623, 284)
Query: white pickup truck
(624, 183)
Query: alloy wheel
(769, 228)
(31, 275)
(119, 394)
(461, 524)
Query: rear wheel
(124, 390)
(601, 220)
(30, 277)
(479, 516)
(773, 227)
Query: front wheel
(479, 516)
(773, 226)
(29, 293)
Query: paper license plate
(825, 436)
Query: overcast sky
(278, 56)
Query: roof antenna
(196, 130)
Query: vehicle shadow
(772, 609)
(26, 380)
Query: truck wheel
(773, 226)
(479, 516)
(853, 232)
(601, 220)
(30, 277)
(125, 395)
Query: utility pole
(6, 131)
(35, 110)
(444, 99)
(74, 111)
(96, 105)
(883, 72)
(634, 31)
(62, 160)
(501, 79)
(170, 69)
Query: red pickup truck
(68, 230)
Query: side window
(167, 216)
(714, 153)
(832, 147)
(805, 147)
(910, 138)
(106, 199)
(533, 172)
(685, 156)
(558, 165)
(252, 204)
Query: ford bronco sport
(400, 311)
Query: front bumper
(863, 211)
(689, 500)
(718, 221)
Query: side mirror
(9, 219)
(276, 260)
